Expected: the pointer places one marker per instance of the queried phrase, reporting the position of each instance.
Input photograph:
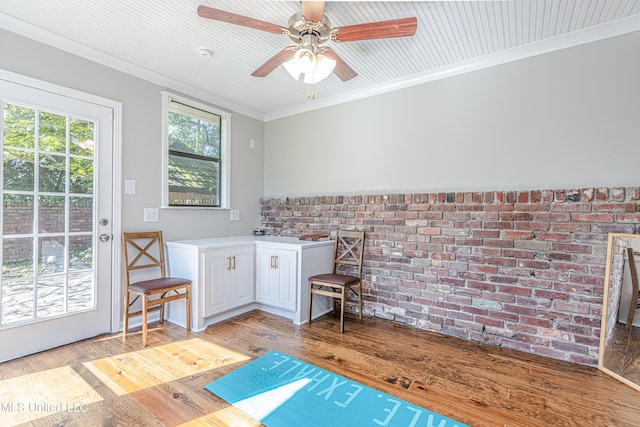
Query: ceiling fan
(309, 29)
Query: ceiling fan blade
(232, 18)
(275, 61)
(313, 10)
(377, 30)
(342, 70)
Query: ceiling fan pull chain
(311, 93)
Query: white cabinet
(222, 278)
(224, 284)
(228, 279)
(276, 275)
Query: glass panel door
(50, 205)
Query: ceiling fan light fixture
(324, 68)
(303, 62)
(306, 60)
(292, 68)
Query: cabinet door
(241, 278)
(265, 262)
(276, 278)
(215, 291)
(285, 279)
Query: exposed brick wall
(520, 269)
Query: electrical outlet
(151, 214)
(235, 215)
(252, 143)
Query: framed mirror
(620, 330)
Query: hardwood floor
(476, 384)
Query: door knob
(104, 237)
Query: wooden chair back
(348, 253)
(143, 250)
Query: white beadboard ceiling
(158, 40)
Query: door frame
(116, 214)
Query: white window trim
(225, 151)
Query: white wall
(142, 143)
(568, 119)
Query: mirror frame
(605, 306)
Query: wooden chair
(348, 254)
(633, 304)
(145, 250)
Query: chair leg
(310, 303)
(631, 314)
(188, 307)
(125, 311)
(342, 304)
(360, 299)
(144, 320)
(161, 314)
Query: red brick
(602, 194)
(523, 197)
(617, 194)
(556, 237)
(616, 207)
(517, 235)
(533, 225)
(428, 230)
(600, 217)
(492, 234)
(499, 208)
(498, 225)
(516, 216)
(628, 218)
(499, 243)
(533, 264)
(587, 194)
(532, 207)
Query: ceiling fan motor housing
(307, 33)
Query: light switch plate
(151, 214)
(129, 186)
(235, 215)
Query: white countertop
(211, 242)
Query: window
(195, 171)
